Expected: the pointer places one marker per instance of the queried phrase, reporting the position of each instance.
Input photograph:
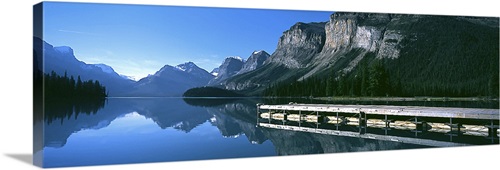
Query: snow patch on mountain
(257, 52)
(215, 72)
(237, 58)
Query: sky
(137, 40)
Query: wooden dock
(416, 118)
(440, 112)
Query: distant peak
(165, 67)
(181, 67)
(235, 57)
(64, 49)
(257, 52)
(260, 52)
(187, 64)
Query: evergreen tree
(342, 83)
(364, 80)
(378, 80)
(493, 84)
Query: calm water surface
(139, 130)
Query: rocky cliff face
(296, 49)
(353, 32)
(231, 66)
(254, 61)
(298, 45)
(358, 30)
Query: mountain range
(233, 66)
(424, 51)
(421, 54)
(171, 81)
(168, 81)
(62, 61)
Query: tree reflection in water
(65, 109)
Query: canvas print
(121, 84)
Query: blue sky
(137, 40)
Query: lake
(141, 130)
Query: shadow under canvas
(26, 158)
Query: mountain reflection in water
(137, 130)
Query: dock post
(492, 130)
(338, 123)
(258, 115)
(317, 119)
(419, 126)
(362, 119)
(362, 122)
(321, 118)
(387, 124)
(270, 116)
(454, 127)
(416, 128)
(300, 117)
(284, 117)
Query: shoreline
(402, 99)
